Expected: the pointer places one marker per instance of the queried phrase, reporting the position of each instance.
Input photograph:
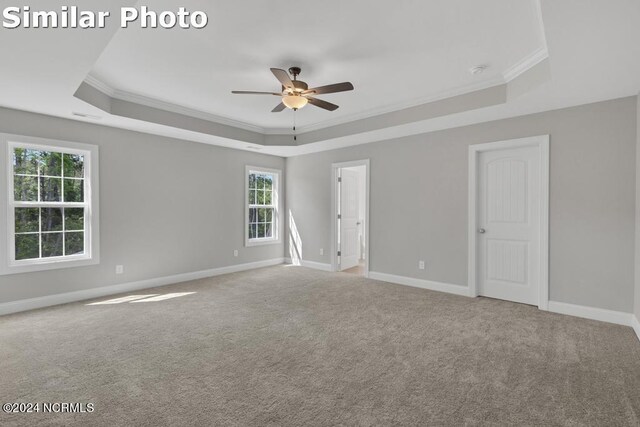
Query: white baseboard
(85, 294)
(420, 283)
(312, 264)
(593, 313)
(636, 325)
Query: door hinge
(339, 179)
(339, 216)
(339, 253)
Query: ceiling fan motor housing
(299, 86)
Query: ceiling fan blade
(322, 104)
(282, 76)
(279, 108)
(249, 92)
(337, 87)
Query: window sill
(19, 267)
(264, 242)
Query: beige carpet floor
(296, 347)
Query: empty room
(358, 213)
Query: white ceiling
(396, 53)
(593, 49)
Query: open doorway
(351, 217)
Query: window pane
(73, 219)
(253, 215)
(268, 182)
(51, 219)
(73, 166)
(269, 216)
(262, 215)
(25, 188)
(50, 163)
(51, 245)
(267, 197)
(74, 190)
(25, 161)
(252, 180)
(260, 182)
(252, 231)
(27, 246)
(74, 243)
(252, 197)
(268, 230)
(260, 197)
(27, 220)
(50, 189)
(261, 228)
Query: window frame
(275, 204)
(91, 256)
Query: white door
(509, 224)
(349, 210)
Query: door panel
(507, 261)
(509, 224)
(349, 210)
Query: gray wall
(637, 283)
(148, 184)
(419, 200)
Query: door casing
(542, 143)
(335, 167)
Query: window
(262, 206)
(51, 217)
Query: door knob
(481, 230)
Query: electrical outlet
(235, 252)
(421, 265)
(119, 269)
(321, 251)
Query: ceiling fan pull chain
(295, 137)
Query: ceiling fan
(296, 93)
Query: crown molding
(525, 64)
(450, 93)
(536, 56)
(186, 111)
(168, 106)
(510, 74)
(99, 85)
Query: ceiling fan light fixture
(294, 102)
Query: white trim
(275, 194)
(542, 142)
(99, 85)
(416, 102)
(8, 265)
(593, 313)
(334, 211)
(311, 264)
(169, 106)
(635, 324)
(420, 283)
(540, 23)
(50, 300)
(526, 63)
(203, 115)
